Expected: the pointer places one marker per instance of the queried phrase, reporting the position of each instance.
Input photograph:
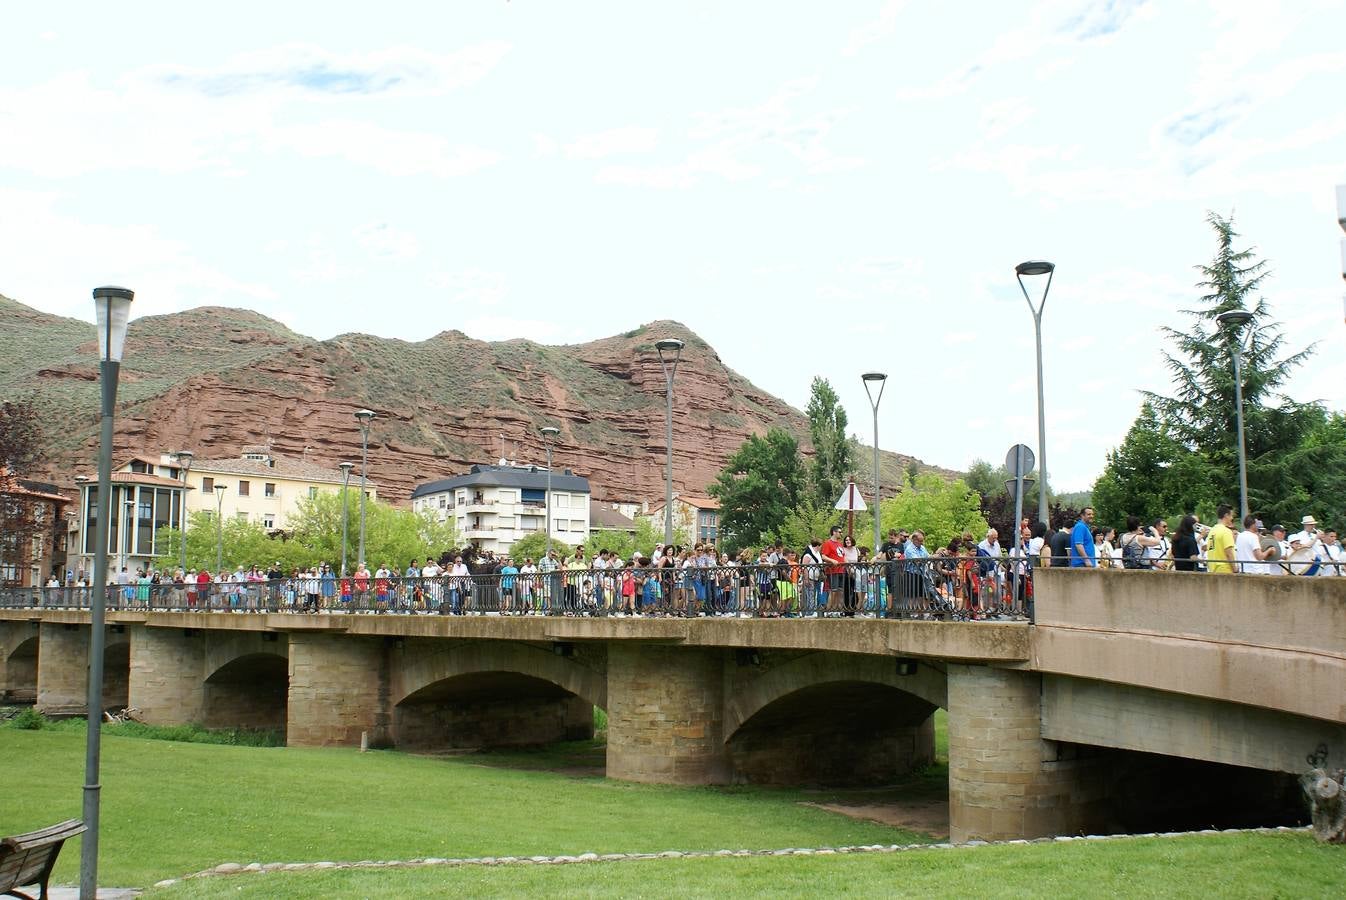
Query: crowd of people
(832, 577)
(1223, 547)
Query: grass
(1198, 866)
(31, 720)
(173, 808)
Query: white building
(494, 506)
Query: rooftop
(533, 477)
(602, 515)
(274, 467)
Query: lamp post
(113, 309)
(674, 347)
(82, 485)
(128, 527)
(1034, 268)
(345, 510)
(219, 528)
(879, 378)
(1233, 323)
(185, 457)
(1341, 220)
(364, 417)
(549, 434)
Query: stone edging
(238, 869)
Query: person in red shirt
(203, 588)
(835, 570)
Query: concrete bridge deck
(1238, 670)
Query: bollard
(364, 741)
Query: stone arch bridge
(1046, 721)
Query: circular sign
(1020, 460)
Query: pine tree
(1200, 413)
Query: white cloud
(387, 243)
(391, 151)
(875, 30)
(472, 287)
(614, 141)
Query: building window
(560, 501)
(242, 516)
(443, 502)
(312, 493)
(207, 485)
(270, 489)
(577, 525)
(139, 466)
(244, 488)
(268, 521)
(559, 525)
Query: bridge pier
(666, 714)
(339, 687)
(63, 669)
(166, 674)
(1005, 781)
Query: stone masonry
(1005, 781)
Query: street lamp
(1233, 323)
(113, 313)
(345, 509)
(128, 526)
(219, 528)
(549, 434)
(364, 417)
(674, 347)
(184, 457)
(881, 380)
(1033, 268)
(1341, 220)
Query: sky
(815, 189)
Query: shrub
(29, 720)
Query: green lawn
(173, 808)
(1199, 866)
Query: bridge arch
(116, 672)
(832, 718)
(493, 693)
(246, 684)
(21, 671)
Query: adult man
(1333, 557)
(919, 578)
(1248, 548)
(551, 581)
(1220, 542)
(1158, 551)
(988, 556)
(836, 578)
(890, 553)
(1059, 542)
(1306, 549)
(1082, 552)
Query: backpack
(1133, 555)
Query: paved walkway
(104, 893)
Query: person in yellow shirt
(1220, 552)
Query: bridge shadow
(250, 692)
(490, 710)
(21, 673)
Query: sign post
(1020, 462)
(851, 501)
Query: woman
(1186, 548)
(850, 555)
(1103, 538)
(666, 564)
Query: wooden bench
(28, 859)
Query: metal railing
(934, 588)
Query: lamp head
(112, 306)
(220, 489)
(669, 345)
(346, 467)
(81, 479)
(874, 376)
(185, 456)
(550, 432)
(364, 416)
(1035, 267)
(1234, 319)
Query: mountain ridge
(216, 379)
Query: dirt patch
(928, 816)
